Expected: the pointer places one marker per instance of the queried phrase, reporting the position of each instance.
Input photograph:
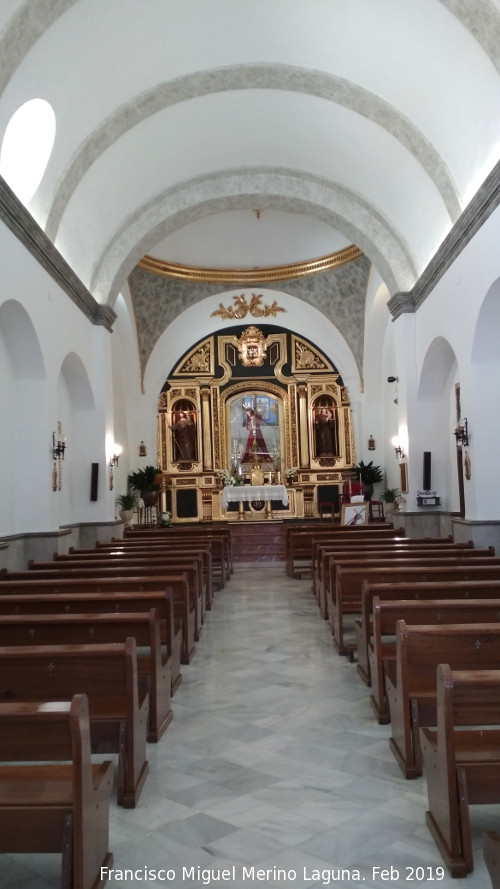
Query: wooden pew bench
(385, 554)
(348, 582)
(300, 543)
(154, 552)
(488, 589)
(323, 548)
(52, 797)
(411, 678)
(386, 614)
(461, 759)
(404, 546)
(219, 547)
(111, 600)
(219, 536)
(107, 674)
(153, 664)
(176, 589)
(129, 567)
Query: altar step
(258, 541)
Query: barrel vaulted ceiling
(238, 134)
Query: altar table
(253, 493)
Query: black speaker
(94, 478)
(427, 481)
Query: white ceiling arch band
(295, 193)
(283, 77)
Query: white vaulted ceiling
(362, 122)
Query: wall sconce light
(461, 433)
(58, 449)
(58, 444)
(113, 461)
(397, 447)
(371, 443)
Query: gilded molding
(250, 276)
(306, 358)
(242, 307)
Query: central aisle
(275, 761)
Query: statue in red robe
(255, 449)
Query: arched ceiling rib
(293, 192)
(380, 120)
(277, 77)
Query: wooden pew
(154, 666)
(216, 547)
(134, 566)
(461, 759)
(386, 614)
(107, 674)
(111, 600)
(421, 590)
(144, 550)
(299, 543)
(52, 797)
(177, 589)
(411, 678)
(218, 535)
(347, 585)
(491, 852)
(323, 552)
(322, 548)
(384, 555)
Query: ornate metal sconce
(113, 461)
(461, 433)
(58, 449)
(397, 448)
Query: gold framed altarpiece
(253, 397)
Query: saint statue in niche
(256, 448)
(325, 432)
(184, 435)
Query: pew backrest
(70, 815)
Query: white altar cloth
(248, 493)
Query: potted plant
(390, 498)
(126, 504)
(368, 474)
(291, 475)
(146, 482)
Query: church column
(304, 440)
(206, 426)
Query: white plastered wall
(453, 312)
(73, 357)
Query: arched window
(26, 147)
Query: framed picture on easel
(355, 513)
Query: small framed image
(355, 513)
(403, 478)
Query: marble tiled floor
(274, 762)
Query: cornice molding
(249, 276)
(20, 222)
(478, 210)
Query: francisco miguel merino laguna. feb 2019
(242, 873)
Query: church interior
(252, 250)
